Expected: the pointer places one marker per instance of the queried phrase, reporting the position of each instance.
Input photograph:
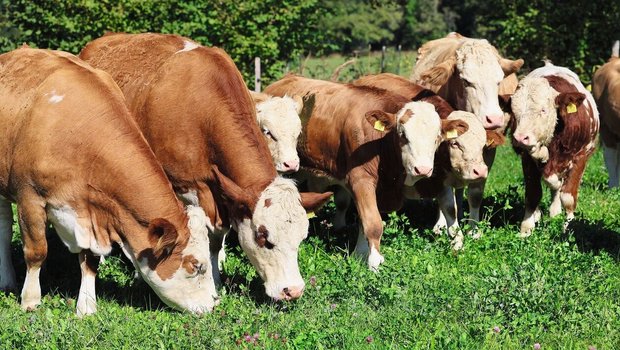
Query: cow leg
(372, 226)
(448, 207)
(441, 222)
(32, 221)
(342, 199)
(612, 163)
(87, 299)
(555, 208)
(218, 253)
(570, 188)
(475, 192)
(7, 272)
(533, 194)
(458, 194)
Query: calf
(556, 126)
(195, 111)
(278, 118)
(458, 162)
(368, 141)
(606, 91)
(469, 73)
(72, 155)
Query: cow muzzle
(524, 140)
(492, 122)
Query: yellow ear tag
(311, 215)
(490, 142)
(452, 134)
(379, 126)
(571, 108)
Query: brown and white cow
(468, 73)
(606, 91)
(368, 141)
(278, 118)
(195, 111)
(556, 123)
(72, 155)
(457, 163)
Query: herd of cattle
(151, 141)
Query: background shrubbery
(574, 33)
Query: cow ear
(510, 66)
(494, 138)
(440, 74)
(163, 237)
(380, 120)
(237, 197)
(312, 201)
(451, 129)
(299, 103)
(258, 97)
(568, 102)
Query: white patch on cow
(189, 198)
(278, 118)
(555, 208)
(529, 222)
(286, 222)
(87, 299)
(73, 234)
(466, 150)
(188, 46)
(31, 293)
(554, 182)
(7, 272)
(478, 65)
(55, 98)
(568, 202)
(441, 223)
(375, 259)
(612, 163)
(420, 149)
(184, 291)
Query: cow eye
(268, 134)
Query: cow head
(478, 70)
(420, 131)
(271, 227)
(278, 117)
(466, 150)
(177, 266)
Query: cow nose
(481, 172)
(422, 171)
(493, 121)
(522, 139)
(292, 293)
(291, 165)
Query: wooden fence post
(382, 59)
(398, 64)
(257, 74)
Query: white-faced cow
(556, 127)
(72, 155)
(458, 162)
(278, 118)
(195, 111)
(468, 73)
(368, 141)
(606, 91)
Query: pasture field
(558, 290)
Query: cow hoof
(475, 234)
(30, 305)
(85, 308)
(438, 230)
(374, 260)
(457, 244)
(525, 232)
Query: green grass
(561, 290)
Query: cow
(457, 162)
(606, 91)
(468, 73)
(195, 111)
(73, 156)
(278, 118)
(367, 141)
(556, 126)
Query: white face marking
(55, 98)
(423, 134)
(194, 292)
(188, 46)
(7, 272)
(479, 68)
(189, 198)
(286, 223)
(466, 150)
(281, 126)
(72, 232)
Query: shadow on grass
(593, 237)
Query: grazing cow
(606, 91)
(195, 111)
(556, 127)
(278, 118)
(368, 141)
(468, 73)
(72, 155)
(457, 162)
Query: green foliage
(422, 22)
